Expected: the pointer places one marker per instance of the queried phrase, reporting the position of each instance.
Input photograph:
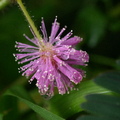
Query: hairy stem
(32, 25)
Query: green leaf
(21, 95)
(68, 104)
(102, 105)
(103, 98)
(110, 80)
(87, 117)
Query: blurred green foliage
(96, 21)
(104, 107)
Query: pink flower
(51, 63)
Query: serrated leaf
(20, 94)
(110, 80)
(68, 104)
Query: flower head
(50, 61)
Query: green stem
(26, 14)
